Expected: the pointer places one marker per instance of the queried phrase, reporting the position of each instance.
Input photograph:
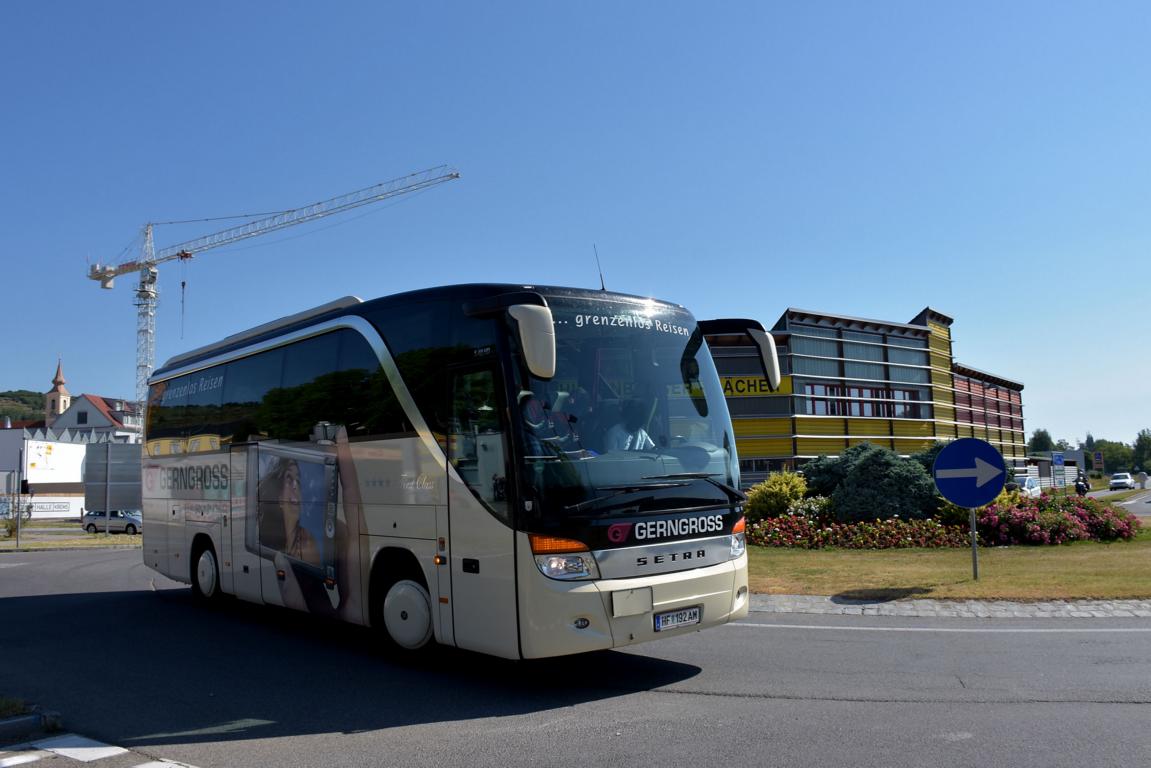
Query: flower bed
(1046, 520)
(805, 533)
(1055, 520)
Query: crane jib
(145, 294)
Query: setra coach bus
(520, 471)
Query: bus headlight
(738, 545)
(739, 538)
(572, 566)
(563, 558)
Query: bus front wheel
(407, 614)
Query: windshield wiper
(619, 490)
(710, 477)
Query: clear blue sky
(990, 160)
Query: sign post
(1058, 478)
(970, 473)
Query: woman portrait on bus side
(286, 530)
(281, 528)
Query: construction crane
(146, 292)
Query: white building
(50, 455)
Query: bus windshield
(634, 420)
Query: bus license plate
(684, 617)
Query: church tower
(57, 399)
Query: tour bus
(521, 471)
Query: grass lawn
(79, 541)
(1082, 570)
(11, 707)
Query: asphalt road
(126, 657)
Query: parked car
(1122, 481)
(127, 521)
(1028, 486)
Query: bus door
(483, 579)
(243, 459)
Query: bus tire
(205, 572)
(406, 615)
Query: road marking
(8, 762)
(956, 630)
(233, 727)
(79, 748)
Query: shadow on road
(147, 668)
(854, 596)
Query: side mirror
(537, 338)
(534, 321)
(768, 356)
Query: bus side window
(477, 443)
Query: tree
(1040, 442)
(1116, 456)
(1141, 451)
(1089, 443)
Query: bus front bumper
(565, 617)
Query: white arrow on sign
(983, 473)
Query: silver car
(1121, 481)
(127, 521)
(1029, 486)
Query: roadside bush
(949, 514)
(879, 484)
(823, 474)
(803, 533)
(1054, 520)
(773, 496)
(1046, 520)
(815, 508)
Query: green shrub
(949, 514)
(773, 496)
(823, 475)
(879, 484)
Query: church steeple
(57, 399)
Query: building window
(81, 417)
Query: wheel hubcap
(206, 573)
(408, 614)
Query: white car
(1029, 486)
(1122, 481)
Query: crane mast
(146, 266)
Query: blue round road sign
(969, 472)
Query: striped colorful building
(849, 380)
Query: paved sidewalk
(983, 609)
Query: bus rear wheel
(406, 615)
(205, 573)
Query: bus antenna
(602, 287)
